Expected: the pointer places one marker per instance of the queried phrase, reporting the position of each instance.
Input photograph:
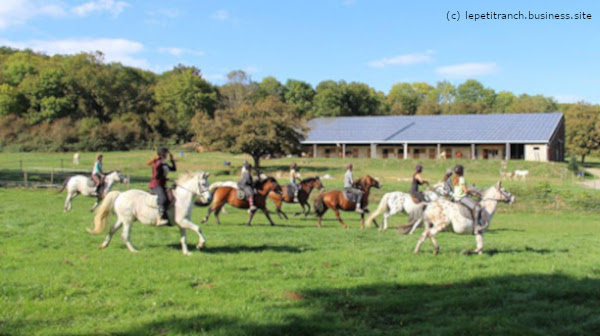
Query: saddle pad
(464, 211)
(151, 201)
(350, 197)
(241, 194)
(290, 190)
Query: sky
(375, 42)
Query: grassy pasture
(540, 274)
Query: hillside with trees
(80, 102)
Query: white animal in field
(507, 175)
(441, 213)
(84, 185)
(394, 202)
(76, 159)
(133, 205)
(522, 174)
(326, 177)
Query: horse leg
(421, 239)
(479, 242)
(269, 217)
(250, 215)
(68, 200)
(337, 215)
(112, 231)
(186, 224)
(205, 219)
(183, 240)
(362, 221)
(415, 226)
(302, 206)
(95, 205)
(125, 235)
(386, 216)
(307, 210)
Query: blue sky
(374, 42)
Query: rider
(158, 183)
(417, 180)
(448, 182)
(294, 175)
(460, 194)
(247, 184)
(97, 173)
(349, 187)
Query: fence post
(52, 176)
(25, 177)
(556, 202)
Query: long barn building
(528, 136)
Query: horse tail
(414, 216)
(214, 187)
(383, 207)
(319, 205)
(64, 184)
(103, 211)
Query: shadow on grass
(234, 249)
(505, 305)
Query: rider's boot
(162, 218)
(251, 201)
(296, 196)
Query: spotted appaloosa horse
(336, 201)
(304, 189)
(398, 201)
(222, 195)
(441, 213)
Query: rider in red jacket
(158, 183)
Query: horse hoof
(200, 246)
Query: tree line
(80, 102)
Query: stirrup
(359, 210)
(163, 222)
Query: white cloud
(177, 52)
(113, 7)
(220, 15)
(18, 12)
(468, 69)
(405, 59)
(568, 98)
(114, 50)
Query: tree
(403, 99)
(532, 104)
(270, 86)
(299, 94)
(266, 127)
(179, 95)
(583, 129)
(504, 100)
(473, 91)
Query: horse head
(114, 176)
(498, 193)
(313, 182)
(367, 182)
(196, 183)
(269, 185)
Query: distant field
(540, 274)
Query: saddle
(241, 194)
(290, 190)
(151, 201)
(464, 210)
(350, 197)
(170, 196)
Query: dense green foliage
(539, 274)
(79, 102)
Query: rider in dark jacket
(158, 183)
(247, 184)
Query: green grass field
(539, 275)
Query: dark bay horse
(336, 201)
(224, 195)
(304, 189)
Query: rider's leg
(162, 201)
(359, 195)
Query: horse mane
(260, 183)
(309, 179)
(187, 176)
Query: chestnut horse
(304, 189)
(336, 201)
(224, 195)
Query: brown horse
(336, 201)
(224, 195)
(305, 187)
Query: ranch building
(526, 136)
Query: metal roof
(463, 128)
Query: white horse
(137, 204)
(395, 202)
(442, 213)
(84, 185)
(522, 174)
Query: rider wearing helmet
(247, 184)
(448, 182)
(461, 194)
(294, 175)
(158, 183)
(349, 187)
(97, 173)
(417, 180)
